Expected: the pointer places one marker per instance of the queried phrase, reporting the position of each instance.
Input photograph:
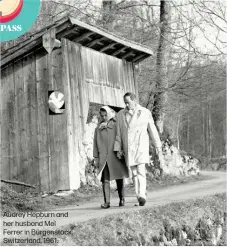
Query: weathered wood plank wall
(90, 77)
(34, 143)
(41, 149)
(107, 78)
(43, 130)
(71, 77)
(57, 126)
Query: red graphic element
(13, 14)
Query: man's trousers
(139, 179)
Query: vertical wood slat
(19, 105)
(120, 76)
(128, 88)
(130, 81)
(80, 91)
(32, 169)
(50, 125)
(126, 72)
(25, 135)
(73, 97)
(57, 123)
(135, 82)
(111, 70)
(124, 78)
(105, 79)
(11, 122)
(77, 99)
(35, 123)
(129, 78)
(29, 165)
(42, 127)
(81, 83)
(60, 127)
(132, 78)
(74, 177)
(5, 165)
(52, 128)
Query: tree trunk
(207, 131)
(210, 134)
(204, 131)
(108, 13)
(160, 97)
(133, 29)
(188, 133)
(178, 126)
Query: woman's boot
(120, 189)
(106, 194)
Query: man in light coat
(132, 140)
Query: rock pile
(178, 163)
(87, 169)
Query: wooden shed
(86, 64)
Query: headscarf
(110, 115)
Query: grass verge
(154, 226)
(143, 227)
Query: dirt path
(160, 197)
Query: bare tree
(160, 98)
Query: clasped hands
(120, 154)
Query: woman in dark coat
(109, 166)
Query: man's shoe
(122, 202)
(142, 201)
(105, 205)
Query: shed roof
(87, 35)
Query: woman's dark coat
(103, 150)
